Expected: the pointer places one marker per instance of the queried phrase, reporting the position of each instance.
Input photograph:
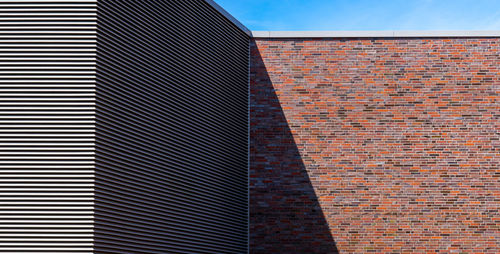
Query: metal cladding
(161, 166)
(172, 129)
(47, 125)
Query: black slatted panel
(172, 121)
(47, 125)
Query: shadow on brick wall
(285, 215)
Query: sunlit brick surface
(399, 139)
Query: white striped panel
(47, 125)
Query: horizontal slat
(47, 112)
(171, 158)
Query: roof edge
(371, 34)
(230, 17)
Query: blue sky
(304, 15)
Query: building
(168, 127)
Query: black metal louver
(123, 127)
(47, 126)
(172, 104)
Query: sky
(359, 15)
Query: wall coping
(371, 34)
(230, 17)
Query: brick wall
(375, 146)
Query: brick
(375, 145)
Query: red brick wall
(375, 146)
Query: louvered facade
(47, 125)
(123, 128)
(172, 121)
